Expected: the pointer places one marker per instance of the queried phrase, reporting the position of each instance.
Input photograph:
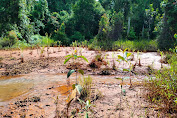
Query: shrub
(35, 39)
(132, 34)
(12, 35)
(4, 42)
(9, 40)
(47, 41)
(61, 36)
(163, 89)
(100, 45)
(77, 36)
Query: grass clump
(86, 83)
(163, 89)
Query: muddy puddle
(13, 87)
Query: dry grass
(162, 90)
(86, 83)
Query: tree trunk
(128, 30)
(143, 32)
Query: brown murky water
(12, 87)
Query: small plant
(98, 61)
(84, 43)
(42, 51)
(125, 58)
(87, 107)
(22, 45)
(113, 61)
(74, 44)
(83, 87)
(139, 59)
(46, 41)
(1, 58)
(161, 54)
(74, 57)
(59, 45)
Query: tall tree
(8, 15)
(87, 14)
(117, 26)
(166, 39)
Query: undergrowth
(141, 45)
(162, 90)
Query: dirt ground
(34, 61)
(46, 77)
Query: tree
(103, 28)
(60, 5)
(102, 39)
(23, 16)
(166, 39)
(86, 17)
(117, 26)
(107, 4)
(8, 16)
(150, 17)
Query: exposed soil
(48, 82)
(33, 62)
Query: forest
(88, 58)
(145, 24)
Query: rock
(105, 72)
(35, 99)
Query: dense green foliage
(102, 22)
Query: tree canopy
(82, 19)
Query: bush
(61, 36)
(77, 36)
(35, 39)
(41, 40)
(47, 41)
(21, 45)
(12, 35)
(100, 45)
(5, 42)
(9, 40)
(163, 89)
(138, 45)
(132, 34)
